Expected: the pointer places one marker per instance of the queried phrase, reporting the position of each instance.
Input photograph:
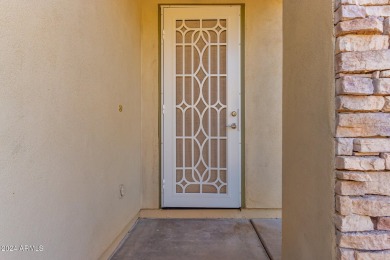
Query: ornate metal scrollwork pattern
(201, 97)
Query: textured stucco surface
(308, 130)
(64, 148)
(263, 101)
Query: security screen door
(201, 106)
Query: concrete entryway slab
(270, 234)
(192, 239)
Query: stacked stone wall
(362, 188)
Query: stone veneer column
(362, 187)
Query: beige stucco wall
(308, 129)
(263, 102)
(65, 67)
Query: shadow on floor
(202, 239)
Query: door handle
(232, 126)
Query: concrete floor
(202, 239)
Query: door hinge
(163, 109)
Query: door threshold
(210, 213)
(198, 208)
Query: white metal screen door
(201, 106)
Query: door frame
(161, 97)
